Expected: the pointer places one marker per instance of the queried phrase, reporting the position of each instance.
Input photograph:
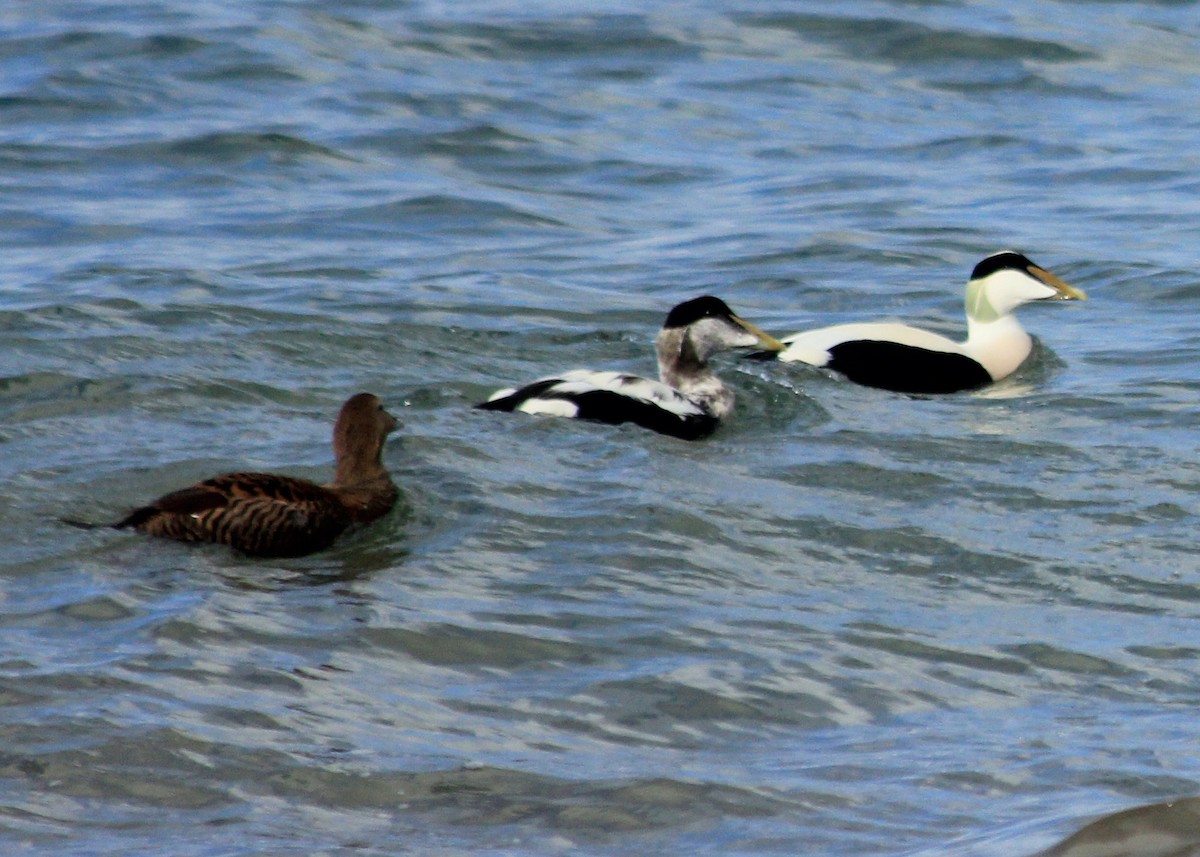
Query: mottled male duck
(266, 515)
(688, 401)
(906, 359)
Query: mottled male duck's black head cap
(697, 308)
(1005, 260)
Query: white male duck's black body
(688, 401)
(895, 356)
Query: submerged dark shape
(263, 514)
(1169, 829)
(688, 401)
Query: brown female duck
(263, 514)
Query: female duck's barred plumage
(257, 513)
(688, 401)
(906, 359)
(264, 514)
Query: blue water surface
(852, 622)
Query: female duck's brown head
(362, 427)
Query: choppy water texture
(851, 623)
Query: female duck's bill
(263, 514)
(688, 400)
(907, 359)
